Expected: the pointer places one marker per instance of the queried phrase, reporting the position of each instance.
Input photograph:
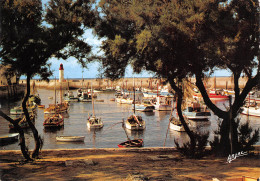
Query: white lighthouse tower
(61, 73)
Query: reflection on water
(75, 123)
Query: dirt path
(127, 164)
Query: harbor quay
(128, 83)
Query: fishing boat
(164, 103)
(131, 143)
(134, 122)
(94, 122)
(127, 100)
(54, 121)
(57, 108)
(175, 124)
(144, 107)
(18, 110)
(70, 138)
(84, 97)
(196, 112)
(23, 122)
(69, 97)
(215, 95)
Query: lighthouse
(61, 73)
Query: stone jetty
(127, 83)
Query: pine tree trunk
(179, 103)
(21, 135)
(34, 130)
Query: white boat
(70, 97)
(124, 100)
(94, 123)
(150, 94)
(251, 111)
(175, 124)
(84, 97)
(70, 138)
(196, 112)
(18, 110)
(135, 123)
(164, 103)
(8, 138)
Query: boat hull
(54, 122)
(70, 138)
(175, 127)
(131, 143)
(94, 123)
(134, 126)
(8, 138)
(251, 111)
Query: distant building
(6, 77)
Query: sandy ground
(124, 164)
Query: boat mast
(55, 94)
(60, 92)
(134, 94)
(92, 100)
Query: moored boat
(135, 123)
(69, 97)
(54, 121)
(18, 110)
(131, 143)
(175, 124)
(70, 138)
(164, 103)
(196, 112)
(144, 107)
(56, 108)
(8, 138)
(23, 122)
(94, 123)
(251, 111)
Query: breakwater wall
(128, 83)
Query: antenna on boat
(134, 93)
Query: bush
(245, 136)
(198, 150)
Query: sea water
(112, 133)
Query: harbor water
(112, 133)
